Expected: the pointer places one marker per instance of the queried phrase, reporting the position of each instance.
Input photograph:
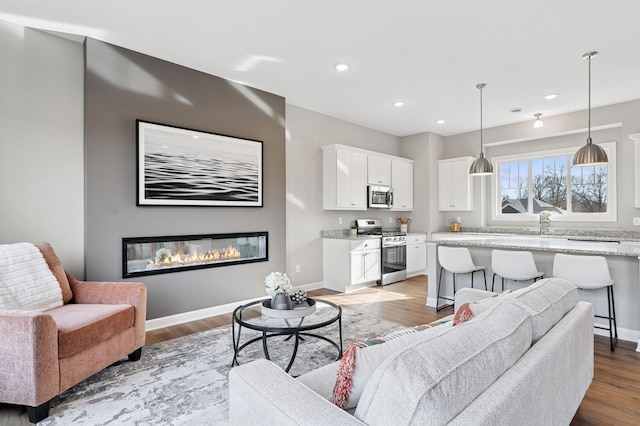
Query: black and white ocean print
(208, 170)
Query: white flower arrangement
(277, 282)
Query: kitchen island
(622, 256)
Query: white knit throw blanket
(26, 282)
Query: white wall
(41, 142)
(307, 132)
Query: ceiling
(430, 54)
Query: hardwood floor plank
(612, 399)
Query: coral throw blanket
(26, 282)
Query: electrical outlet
(636, 220)
(297, 268)
(339, 221)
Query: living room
(73, 106)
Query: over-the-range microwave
(380, 197)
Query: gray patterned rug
(184, 381)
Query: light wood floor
(612, 399)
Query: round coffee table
(254, 317)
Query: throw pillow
(361, 359)
(467, 311)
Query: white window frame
(612, 205)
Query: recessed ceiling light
(398, 104)
(440, 122)
(342, 66)
(196, 137)
(551, 96)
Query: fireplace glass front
(159, 255)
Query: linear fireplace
(161, 255)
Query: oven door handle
(394, 244)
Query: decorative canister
(281, 301)
(454, 227)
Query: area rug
(184, 381)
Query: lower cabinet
(348, 263)
(416, 254)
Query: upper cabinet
(402, 180)
(347, 171)
(344, 179)
(378, 170)
(455, 186)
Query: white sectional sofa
(527, 360)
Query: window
(527, 184)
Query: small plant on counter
(403, 221)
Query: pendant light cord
(589, 119)
(481, 86)
(481, 143)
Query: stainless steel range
(393, 258)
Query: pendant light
(590, 154)
(481, 166)
(538, 123)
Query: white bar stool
(590, 273)
(456, 260)
(514, 265)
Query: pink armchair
(42, 354)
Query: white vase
(403, 228)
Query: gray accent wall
(122, 86)
(41, 142)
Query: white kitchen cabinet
(344, 179)
(416, 254)
(350, 264)
(402, 183)
(455, 185)
(365, 266)
(378, 170)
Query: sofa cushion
(547, 301)
(56, 268)
(432, 381)
(81, 326)
(467, 310)
(361, 359)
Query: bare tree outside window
(589, 190)
(548, 187)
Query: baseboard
(199, 314)
(623, 334)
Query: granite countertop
(571, 244)
(345, 234)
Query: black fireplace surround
(161, 255)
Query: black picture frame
(177, 166)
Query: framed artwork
(184, 167)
